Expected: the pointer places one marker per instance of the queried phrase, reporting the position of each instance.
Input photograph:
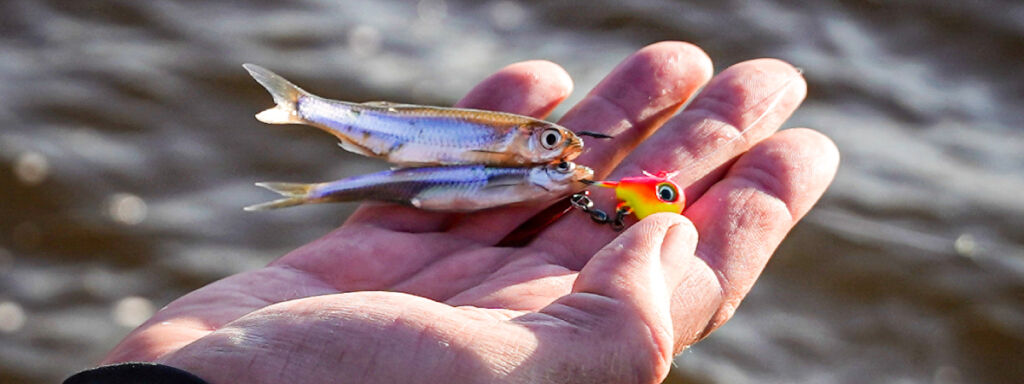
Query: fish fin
(287, 189)
(357, 149)
(294, 193)
(279, 203)
(285, 95)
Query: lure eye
(667, 193)
(550, 138)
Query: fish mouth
(584, 174)
(572, 149)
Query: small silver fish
(415, 135)
(448, 188)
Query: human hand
(402, 295)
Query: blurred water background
(128, 147)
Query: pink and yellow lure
(648, 194)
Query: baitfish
(446, 188)
(415, 135)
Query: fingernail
(678, 239)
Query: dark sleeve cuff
(132, 373)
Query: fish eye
(565, 167)
(667, 192)
(550, 138)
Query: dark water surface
(128, 147)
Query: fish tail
(294, 194)
(285, 95)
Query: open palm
(402, 295)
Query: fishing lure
(646, 195)
(639, 195)
(415, 135)
(448, 188)
(652, 193)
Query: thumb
(625, 290)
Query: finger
(532, 88)
(698, 141)
(630, 103)
(636, 98)
(623, 293)
(744, 217)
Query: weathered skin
(420, 135)
(450, 188)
